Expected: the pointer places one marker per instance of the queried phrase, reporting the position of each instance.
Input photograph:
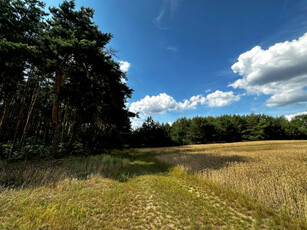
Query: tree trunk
(75, 127)
(33, 101)
(19, 118)
(5, 111)
(55, 108)
(46, 131)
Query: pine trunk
(5, 110)
(55, 108)
(19, 118)
(25, 130)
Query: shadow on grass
(120, 167)
(201, 161)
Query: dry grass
(273, 172)
(38, 173)
(130, 191)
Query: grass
(38, 173)
(132, 190)
(273, 172)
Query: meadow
(252, 185)
(273, 172)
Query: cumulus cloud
(154, 104)
(279, 71)
(124, 66)
(291, 116)
(219, 98)
(162, 103)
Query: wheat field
(272, 172)
(132, 189)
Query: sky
(188, 58)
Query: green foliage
(31, 151)
(123, 177)
(151, 134)
(59, 85)
(201, 130)
(179, 131)
(226, 128)
(4, 150)
(300, 122)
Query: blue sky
(182, 57)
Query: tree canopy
(226, 128)
(60, 88)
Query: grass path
(153, 196)
(145, 202)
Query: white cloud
(124, 66)
(154, 104)
(160, 15)
(279, 71)
(168, 8)
(291, 116)
(172, 48)
(162, 103)
(219, 98)
(136, 124)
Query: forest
(225, 128)
(60, 89)
(62, 93)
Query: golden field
(250, 185)
(272, 172)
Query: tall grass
(273, 172)
(87, 193)
(38, 173)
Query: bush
(31, 151)
(5, 150)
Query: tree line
(61, 92)
(226, 128)
(60, 89)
